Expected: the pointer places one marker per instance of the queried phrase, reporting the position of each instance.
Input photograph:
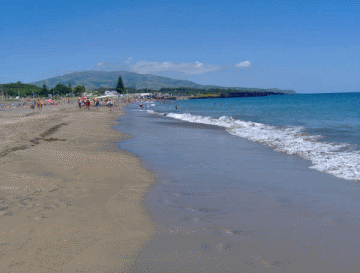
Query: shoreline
(266, 209)
(72, 199)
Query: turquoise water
(322, 128)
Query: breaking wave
(338, 159)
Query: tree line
(28, 90)
(221, 92)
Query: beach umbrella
(50, 100)
(83, 98)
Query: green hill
(107, 79)
(97, 79)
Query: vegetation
(78, 90)
(94, 80)
(61, 90)
(102, 90)
(120, 86)
(20, 89)
(107, 80)
(218, 92)
(136, 83)
(44, 90)
(28, 90)
(12, 90)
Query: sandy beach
(70, 200)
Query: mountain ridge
(93, 79)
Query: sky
(307, 46)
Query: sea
(254, 184)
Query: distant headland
(94, 80)
(97, 82)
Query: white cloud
(145, 67)
(128, 60)
(244, 64)
(101, 63)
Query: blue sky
(308, 46)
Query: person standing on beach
(40, 104)
(97, 104)
(109, 103)
(79, 102)
(88, 103)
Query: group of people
(87, 103)
(38, 103)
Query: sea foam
(337, 159)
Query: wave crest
(338, 159)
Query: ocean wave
(338, 159)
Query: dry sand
(70, 201)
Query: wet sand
(226, 204)
(70, 200)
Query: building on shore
(112, 93)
